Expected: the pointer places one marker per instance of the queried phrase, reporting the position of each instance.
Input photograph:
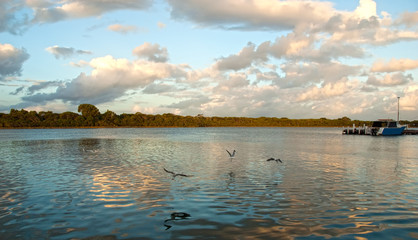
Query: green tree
(90, 112)
(109, 118)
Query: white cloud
(390, 79)
(348, 27)
(54, 106)
(409, 101)
(410, 19)
(152, 52)
(234, 80)
(146, 110)
(394, 65)
(10, 20)
(327, 91)
(11, 60)
(261, 14)
(363, 25)
(193, 105)
(299, 74)
(109, 79)
(243, 59)
(366, 9)
(123, 29)
(296, 46)
(154, 88)
(72, 9)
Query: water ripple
(328, 186)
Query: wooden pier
(410, 132)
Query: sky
(240, 58)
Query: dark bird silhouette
(177, 174)
(274, 159)
(175, 216)
(180, 215)
(231, 155)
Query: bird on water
(274, 159)
(177, 174)
(180, 215)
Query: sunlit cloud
(46, 11)
(394, 65)
(409, 19)
(262, 14)
(243, 59)
(410, 98)
(390, 79)
(109, 79)
(123, 29)
(317, 61)
(151, 52)
(327, 91)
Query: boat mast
(398, 109)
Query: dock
(410, 132)
(364, 130)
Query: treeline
(91, 117)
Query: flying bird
(274, 159)
(231, 155)
(177, 174)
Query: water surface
(79, 183)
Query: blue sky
(295, 59)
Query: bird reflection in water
(174, 217)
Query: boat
(386, 127)
(383, 127)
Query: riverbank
(90, 117)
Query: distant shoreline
(99, 127)
(91, 117)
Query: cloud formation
(10, 20)
(11, 60)
(17, 15)
(314, 67)
(65, 52)
(109, 79)
(243, 59)
(390, 79)
(360, 26)
(394, 65)
(261, 14)
(46, 11)
(151, 52)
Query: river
(111, 184)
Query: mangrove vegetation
(89, 116)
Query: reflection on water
(78, 183)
